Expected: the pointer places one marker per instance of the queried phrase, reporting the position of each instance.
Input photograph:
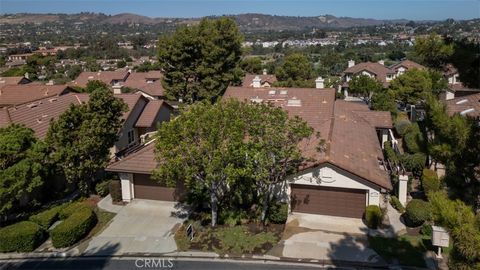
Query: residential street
(154, 263)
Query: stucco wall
(129, 124)
(330, 176)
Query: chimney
(351, 63)
(319, 83)
(381, 62)
(265, 71)
(257, 82)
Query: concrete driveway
(142, 226)
(329, 238)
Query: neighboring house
(341, 181)
(375, 70)
(14, 80)
(140, 118)
(455, 86)
(256, 81)
(465, 106)
(19, 57)
(149, 84)
(14, 94)
(114, 79)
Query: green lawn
(408, 250)
(103, 218)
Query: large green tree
(81, 138)
(466, 58)
(251, 65)
(22, 168)
(295, 67)
(198, 61)
(412, 86)
(364, 86)
(433, 50)
(384, 101)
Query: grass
(408, 250)
(235, 240)
(103, 218)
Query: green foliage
(74, 228)
(390, 153)
(251, 65)
(364, 86)
(94, 85)
(71, 208)
(395, 202)
(414, 162)
(413, 86)
(232, 217)
(460, 221)
(418, 211)
(238, 240)
(181, 239)
(407, 250)
(384, 101)
(23, 168)
(20, 71)
(413, 139)
(295, 67)
(115, 190)
(121, 64)
(373, 216)
(46, 218)
(433, 50)
(24, 236)
(102, 188)
(402, 126)
(81, 138)
(430, 181)
(426, 230)
(278, 213)
(198, 61)
(467, 60)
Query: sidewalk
(107, 205)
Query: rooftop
(14, 94)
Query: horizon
(417, 10)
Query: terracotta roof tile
(141, 161)
(248, 80)
(14, 94)
(148, 82)
(13, 80)
(104, 76)
(408, 64)
(149, 113)
(380, 71)
(469, 105)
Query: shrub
(46, 218)
(430, 181)
(413, 139)
(102, 188)
(231, 217)
(24, 236)
(417, 212)
(181, 239)
(278, 213)
(414, 162)
(70, 209)
(373, 216)
(395, 202)
(390, 153)
(74, 228)
(426, 230)
(115, 191)
(401, 126)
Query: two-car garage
(332, 201)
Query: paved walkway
(107, 205)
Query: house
(19, 57)
(264, 80)
(455, 86)
(376, 70)
(465, 105)
(149, 84)
(15, 94)
(341, 181)
(140, 119)
(114, 79)
(14, 80)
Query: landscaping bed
(232, 240)
(406, 250)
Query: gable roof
(467, 105)
(37, 114)
(148, 82)
(248, 79)
(15, 94)
(150, 112)
(380, 71)
(408, 64)
(13, 80)
(103, 76)
(141, 161)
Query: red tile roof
(13, 80)
(104, 76)
(469, 105)
(14, 94)
(148, 82)
(408, 64)
(380, 71)
(150, 112)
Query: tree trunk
(266, 199)
(214, 206)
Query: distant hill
(245, 21)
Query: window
(131, 136)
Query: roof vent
(283, 92)
(52, 100)
(33, 105)
(272, 92)
(256, 99)
(39, 120)
(91, 77)
(461, 101)
(467, 111)
(294, 102)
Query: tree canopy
(433, 50)
(81, 138)
(295, 67)
(412, 86)
(198, 61)
(364, 86)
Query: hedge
(402, 126)
(413, 139)
(417, 212)
(24, 236)
(115, 190)
(70, 209)
(102, 188)
(395, 202)
(430, 181)
(46, 218)
(74, 228)
(373, 216)
(278, 213)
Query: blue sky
(378, 9)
